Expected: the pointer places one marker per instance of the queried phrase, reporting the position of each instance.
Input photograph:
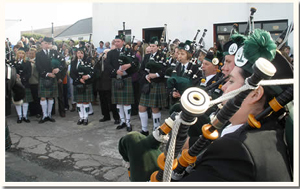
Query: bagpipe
(8, 52)
(84, 68)
(250, 23)
(195, 102)
(198, 48)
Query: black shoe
(50, 119)
(146, 133)
(26, 120)
(19, 120)
(129, 128)
(117, 122)
(121, 126)
(104, 119)
(42, 120)
(80, 121)
(85, 121)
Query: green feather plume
(238, 38)
(259, 44)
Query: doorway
(148, 33)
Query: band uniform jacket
(24, 70)
(246, 155)
(76, 76)
(158, 57)
(43, 62)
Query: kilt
(87, 96)
(51, 92)
(157, 98)
(124, 96)
(28, 95)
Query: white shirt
(230, 129)
(208, 78)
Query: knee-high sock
(50, 105)
(80, 110)
(156, 120)
(86, 108)
(44, 108)
(144, 120)
(121, 113)
(127, 110)
(19, 111)
(90, 108)
(25, 109)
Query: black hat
(82, 43)
(235, 42)
(120, 36)
(187, 46)
(261, 45)
(48, 39)
(80, 49)
(21, 49)
(211, 57)
(154, 40)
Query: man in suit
(48, 83)
(209, 69)
(104, 87)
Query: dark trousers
(107, 106)
(60, 98)
(95, 91)
(137, 95)
(65, 94)
(34, 106)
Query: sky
(35, 15)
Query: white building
(144, 20)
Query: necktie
(182, 69)
(47, 52)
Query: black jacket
(246, 155)
(76, 76)
(43, 62)
(112, 62)
(159, 57)
(24, 70)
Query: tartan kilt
(28, 95)
(124, 96)
(157, 98)
(87, 96)
(51, 92)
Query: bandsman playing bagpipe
(214, 90)
(251, 147)
(23, 70)
(82, 72)
(183, 75)
(48, 64)
(122, 63)
(153, 91)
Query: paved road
(65, 152)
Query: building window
(275, 27)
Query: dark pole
(52, 29)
